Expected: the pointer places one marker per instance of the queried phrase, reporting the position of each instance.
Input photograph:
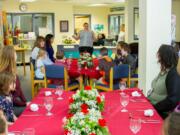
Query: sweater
(17, 95)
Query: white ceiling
(87, 2)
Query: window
(40, 23)
(115, 21)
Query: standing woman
(48, 45)
(8, 64)
(121, 36)
(86, 37)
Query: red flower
(102, 122)
(71, 100)
(98, 99)
(66, 131)
(88, 88)
(84, 106)
(69, 115)
(85, 111)
(92, 134)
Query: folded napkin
(135, 94)
(48, 93)
(148, 112)
(34, 107)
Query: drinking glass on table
(59, 92)
(124, 100)
(135, 125)
(122, 86)
(48, 103)
(29, 131)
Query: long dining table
(117, 121)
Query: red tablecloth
(73, 70)
(117, 122)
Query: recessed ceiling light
(27, 0)
(96, 5)
(119, 0)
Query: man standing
(86, 38)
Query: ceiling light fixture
(97, 5)
(27, 0)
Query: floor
(25, 81)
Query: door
(79, 20)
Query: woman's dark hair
(48, 39)
(125, 47)
(167, 57)
(103, 36)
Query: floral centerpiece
(85, 60)
(85, 114)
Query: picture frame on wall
(64, 26)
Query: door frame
(89, 15)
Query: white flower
(64, 120)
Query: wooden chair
(35, 81)
(59, 73)
(134, 78)
(116, 73)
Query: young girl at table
(8, 64)
(7, 84)
(40, 70)
(40, 45)
(3, 124)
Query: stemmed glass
(124, 99)
(48, 103)
(135, 125)
(59, 92)
(122, 86)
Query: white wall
(155, 29)
(129, 19)
(176, 11)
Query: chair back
(33, 62)
(54, 72)
(121, 71)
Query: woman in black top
(172, 81)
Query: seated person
(105, 64)
(171, 124)
(40, 45)
(60, 55)
(128, 58)
(100, 40)
(7, 84)
(118, 56)
(3, 124)
(165, 93)
(40, 69)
